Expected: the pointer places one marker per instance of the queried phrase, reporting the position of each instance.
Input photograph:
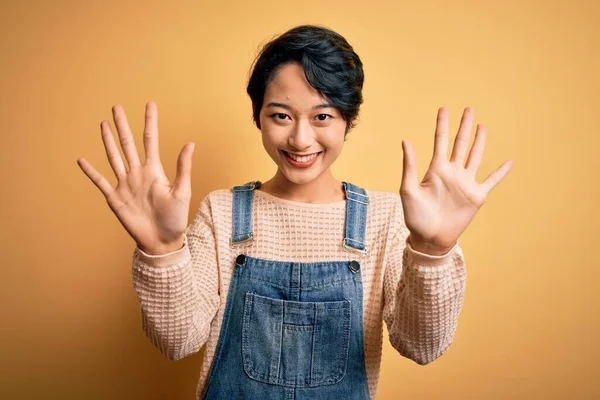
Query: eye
(319, 117)
(279, 116)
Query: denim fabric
(292, 331)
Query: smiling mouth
(305, 158)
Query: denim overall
(292, 330)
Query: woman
(288, 282)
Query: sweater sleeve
(423, 295)
(178, 291)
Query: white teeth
(303, 158)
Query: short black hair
(330, 65)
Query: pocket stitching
(337, 370)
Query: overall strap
(356, 217)
(242, 212)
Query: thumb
(183, 179)
(409, 168)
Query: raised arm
(425, 272)
(174, 265)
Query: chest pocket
(293, 343)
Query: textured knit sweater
(183, 294)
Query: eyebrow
(287, 107)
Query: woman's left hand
(439, 209)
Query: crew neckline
(335, 204)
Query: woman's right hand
(152, 211)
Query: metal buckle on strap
(249, 238)
(359, 194)
(346, 245)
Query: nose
(302, 135)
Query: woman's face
(295, 119)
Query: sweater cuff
(165, 260)
(428, 259)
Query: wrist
(427, 247)
(167, 247)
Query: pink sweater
(419, 296)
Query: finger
(125, 136)
(494, 178)
(151, 134)
(182, 184)
(476, 152)
(440, 148)
(410, 178)
(461, 142)
(112, 151)
(97, 178)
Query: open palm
(439, 209)
(151, 210)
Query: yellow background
(70, 324)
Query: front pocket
(295, 343)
